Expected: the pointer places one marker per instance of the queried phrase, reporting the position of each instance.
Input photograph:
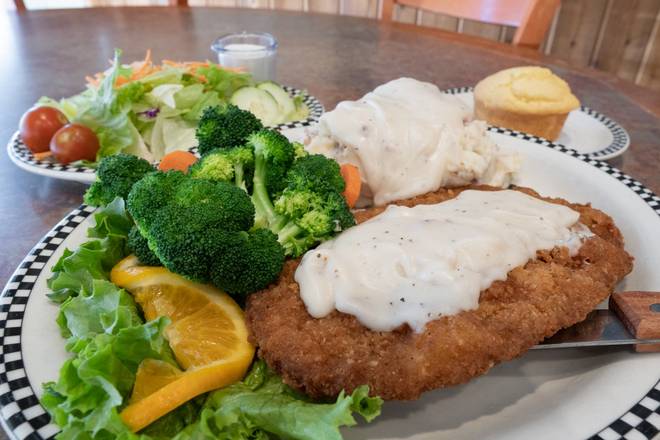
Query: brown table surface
(334, 57)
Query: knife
(633, 318)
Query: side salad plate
(585, 130)
(79, 172)
(546, 394)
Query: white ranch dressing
(413, 265)
(408, 138)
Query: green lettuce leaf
(262, 406)
(76, 270)
(103, 310)
(104, 331)
(95, 384)
(111, 221)
(168, 426)
(222, 81)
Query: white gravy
(413, 265)
(408, 138)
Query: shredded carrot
(146, 68)
(43, 155)
(351, 175)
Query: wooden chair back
(532, 18)
(20, 6)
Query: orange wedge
(151, 376)
(207, 334)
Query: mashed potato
(408, 138)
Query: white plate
(569, 394)
(585, 130)
(21, 156)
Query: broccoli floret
(299, 199)
(307, 218)
(299, 150)
(273, 156)
(139, 246)
(184, 250)
(150, 194)
(233, 270)
(198, 228)
(225, 127)
(317, 173)
(114, 178)
(233, 165)
(311, 209)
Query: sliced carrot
(351, 175)
(177, 160)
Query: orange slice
(207, 334)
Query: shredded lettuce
(105, 109)
(223, 82)
(125, 118)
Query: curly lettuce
(262, 406)
(105, 333)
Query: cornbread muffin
(529, 99)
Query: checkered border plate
(24, 418)
(19, 153)
(315, 108)
(21, 414)
(621, 139)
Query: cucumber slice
(259, 102)
(302, 112)
(284, 101)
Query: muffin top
(528, 89)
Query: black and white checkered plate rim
(19, 151)
(620, 137)
(24, 418)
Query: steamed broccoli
(311, 209)
(295, 195)
(227, 165)
(200, 229)
(315, 172)
(299, 200)
(115, 176)
(161, 185)
(299, 150)
(273, 156)
(225, 127)
(234, 267)
(139, 246)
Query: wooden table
(335, 58)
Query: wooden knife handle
(640, 313)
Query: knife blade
(600, 328)
(633, 318)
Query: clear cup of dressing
(254, 52)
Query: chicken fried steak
(323, 356)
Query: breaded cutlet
(321, 357)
